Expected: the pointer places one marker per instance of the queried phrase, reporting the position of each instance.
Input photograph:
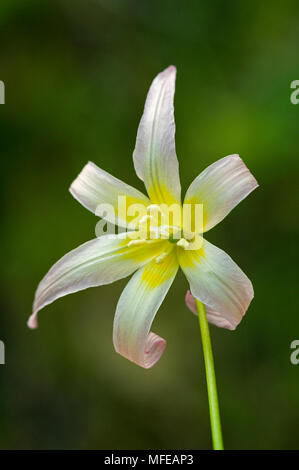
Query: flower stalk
(210, 377)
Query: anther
(183, 243)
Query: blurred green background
(76, 75)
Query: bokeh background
(76, 75)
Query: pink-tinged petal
(213, 317)
(97, 262)
(220, 187)
(190, 302)
(218, 283)
(94, 186)
(136, 310)
(154, 156)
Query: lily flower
(213, 276)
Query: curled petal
(220, 187)
(218, 283)
(94, 186)
(213, 317)
(137, 308)
(190, 302)
(97, 262)
(154, 348)
(154, 156)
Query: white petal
(213, 317)
(136, 310)
(220, 187)
(97, 262)
(94, 186)
(218, 283)
(154, 156)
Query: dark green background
(76, 75)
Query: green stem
(211, 378)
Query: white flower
(213, 276)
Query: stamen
(165, 232)
(154, 232)
(156, 207)
(183, 243)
